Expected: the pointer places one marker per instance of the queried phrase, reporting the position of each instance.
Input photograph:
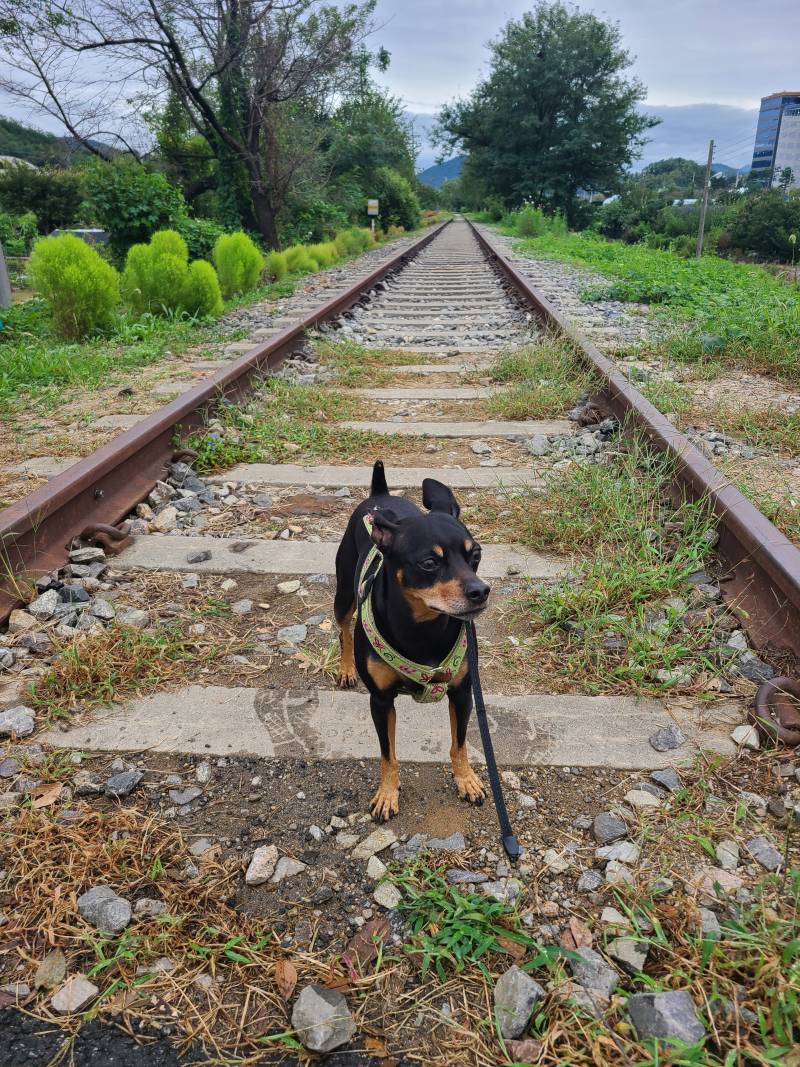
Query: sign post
(372, 210)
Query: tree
(229, 63)
(130, 202)
(53, 195)
(786, 179)
(764, 223)
(556, 113)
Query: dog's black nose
(477, 592)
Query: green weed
(545, 379)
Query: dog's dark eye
(475, 559)
(429, 564)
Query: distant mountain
(723, 168)
(40, 148)
(440, 173)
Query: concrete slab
(174, 388)
(467, 429)
(456, 392)
(45, 466)
(332, 477)
(210, 364)
(439, 368)
(533, 730)
(169, 552)
(115, 422)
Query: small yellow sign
(372, 207)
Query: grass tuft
(544, 379)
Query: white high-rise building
(787, 150)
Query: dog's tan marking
(415, 600)
(381, 673)
(438, 551)
(468, 545)
(386, 801)
(347, 677)
(467, 782)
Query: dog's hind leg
(347, 677)
(468, 783)
(386, 801)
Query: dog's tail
(379, 486)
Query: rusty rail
(764, 579)
(106, 485)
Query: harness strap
(434, 681)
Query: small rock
(746, 735)
(293, 635)
(387, 895)
(623, 851)
(244, 607)
(286, 868)
(505, 891)
(608, 827)
(289, 587)
(765, 853)
(262, 865)
(592, 973)
(44, 606)
(166, 520)
(74, 995)
(515, 996)
(161, 493)
(123, 783)
(134, 617)
(200, 846)
(705, 879)
(480, 448)
(617, 872)
(511, 779)
(667, 738)
(34, 642)
(640, 798)
(16, 721)
(203, 773)
(376, 868)
(321, 1019)
(87, 555)
(102, 609)
(104, 909)
(84, 785)
(454, 843)
(629, 953)
(589, 881)
(668, 778)
(666, 1016)
(199, 557)
(754, 800)
(377, 841)
(149, 908)
(727, 853)
(185, 796)
(17, 990)
(709, 923)
(51, 970)
(556, 861)
(20, 621)
(457, 876)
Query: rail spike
(776, 710)
(113, 539)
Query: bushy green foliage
(276, 265)
(53, 195)
(399, 205)
(312, 219)
(159, 279)
(239, 263)
(325, 254)
(131, 203)
(201, 292)
(81, 289)
(17, 232)
(200, 235)
(763, 224)
(299, 261)
(353, 242)
(530, 222)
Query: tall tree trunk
(264, 212)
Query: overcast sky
(688, 52)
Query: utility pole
(704, 206)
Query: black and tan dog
(424, 590)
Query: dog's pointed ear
(385, 525)
(438, 497)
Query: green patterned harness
(434, 680)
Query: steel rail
(103, 487)
(764, 578)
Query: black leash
(510, 843)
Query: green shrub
(299, 260)
(530, 222)
(17, 233)
(494, 208)
(53, 195)
(764, 222)
(81, 289)
(239, 263)
(325, 254)
(311, 219)
(159, 279)
(201, 292)
(131, 203)
(276, 265)
(200, 235)
(399, 205)
(353, 242)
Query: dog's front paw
(386, 802)
(347, 679)
(470, 787)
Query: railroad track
(241, 562)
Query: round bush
(239, 263)
(325, 254)
(354, 241)
(81, 289)
(170, 243)
(276, 265)
(530, 222)
(200, 235)
(201, 291)
(299, 259)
